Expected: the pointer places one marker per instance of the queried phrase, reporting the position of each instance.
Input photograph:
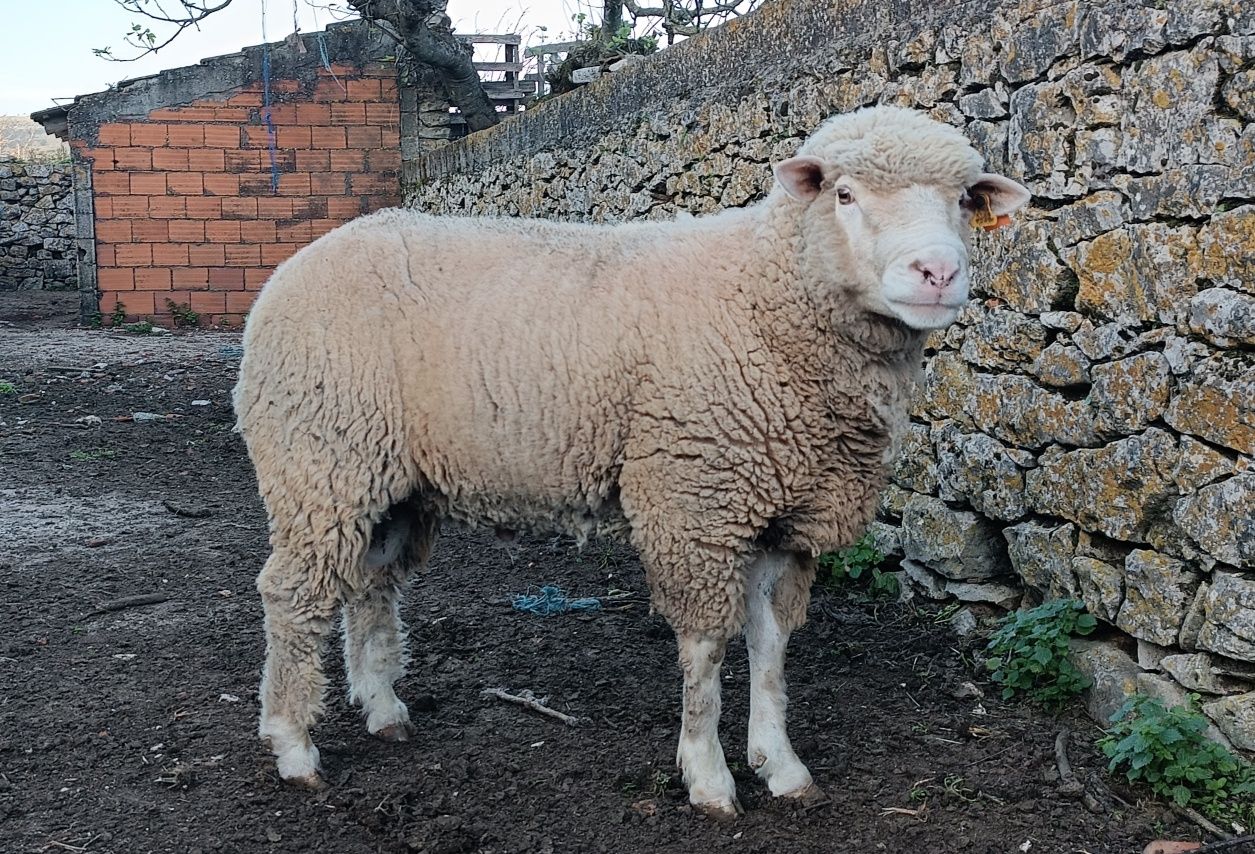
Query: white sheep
(723, 391)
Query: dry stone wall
(1087, 428)
(36, 227)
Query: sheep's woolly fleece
(680, 383)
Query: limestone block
(1229, 617)
(1042, 556)
(958, 544)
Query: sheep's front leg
(700, 755)
(777, 588)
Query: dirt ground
(132, 730)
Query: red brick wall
(184, 209)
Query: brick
(190, 277)
(313, 114)
(312, 207)
(148, 135)
(111, 183)
(246, 98)
(338, 69)
(390, 138)
(114, 134)
(218, 184)
(256, 136)
(273, 207)
(239, 301)
(116, 279)
(348, 113)
(205, 159)
(344, 208)
(387, 90)
(277, 253)
(362, 90)
(170, 159)
(282, 114)
(257, 231)
(206, 255)
(186, 183)
(236, 208)
(170, 254)
(375, 203)
(113, 231)
(312, 161)
(226, 277)
(348, 160)
(384, 160)
(374, 184)
(329, 90)
(132, 159)
(223, 136)
(326, 137)
(383, 114)
(152, 279)
(168, 207)
(294, 232)
(244, 160)
(235, 115)
(186, 230)
(329, 183)
(133, 254)
(207, 302)
(242, 254)
(223, 232)
(255, 184)
(105, 255)
(255, 277)
(319, 227)
(363, 137)
(173, 114)
(294, 184)
(204, 208)
(126, 207)
(136, 304)
(293, 137)
(188, 136)
(150, 231)
(148, 183)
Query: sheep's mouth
(925, 315)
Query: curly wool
(677, 383)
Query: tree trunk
(425, 31)
(611, 19)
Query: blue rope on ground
(551, 600)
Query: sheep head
(891, 198)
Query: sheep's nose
(936, 272)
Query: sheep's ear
(1004, 195)
(802, 177)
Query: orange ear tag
(983, 216)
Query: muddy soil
(131, 729)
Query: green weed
(1168, 750)
(859, 563)
(1029, 652)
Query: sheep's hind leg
(292, 685)
(777, 589)
(700, 755)
(375, 652)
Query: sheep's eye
(844, 196)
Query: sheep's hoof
(720, 810)
(311, 782)
(400, 731)
(809, 795)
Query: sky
(46, 49)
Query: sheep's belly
(511, 515)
